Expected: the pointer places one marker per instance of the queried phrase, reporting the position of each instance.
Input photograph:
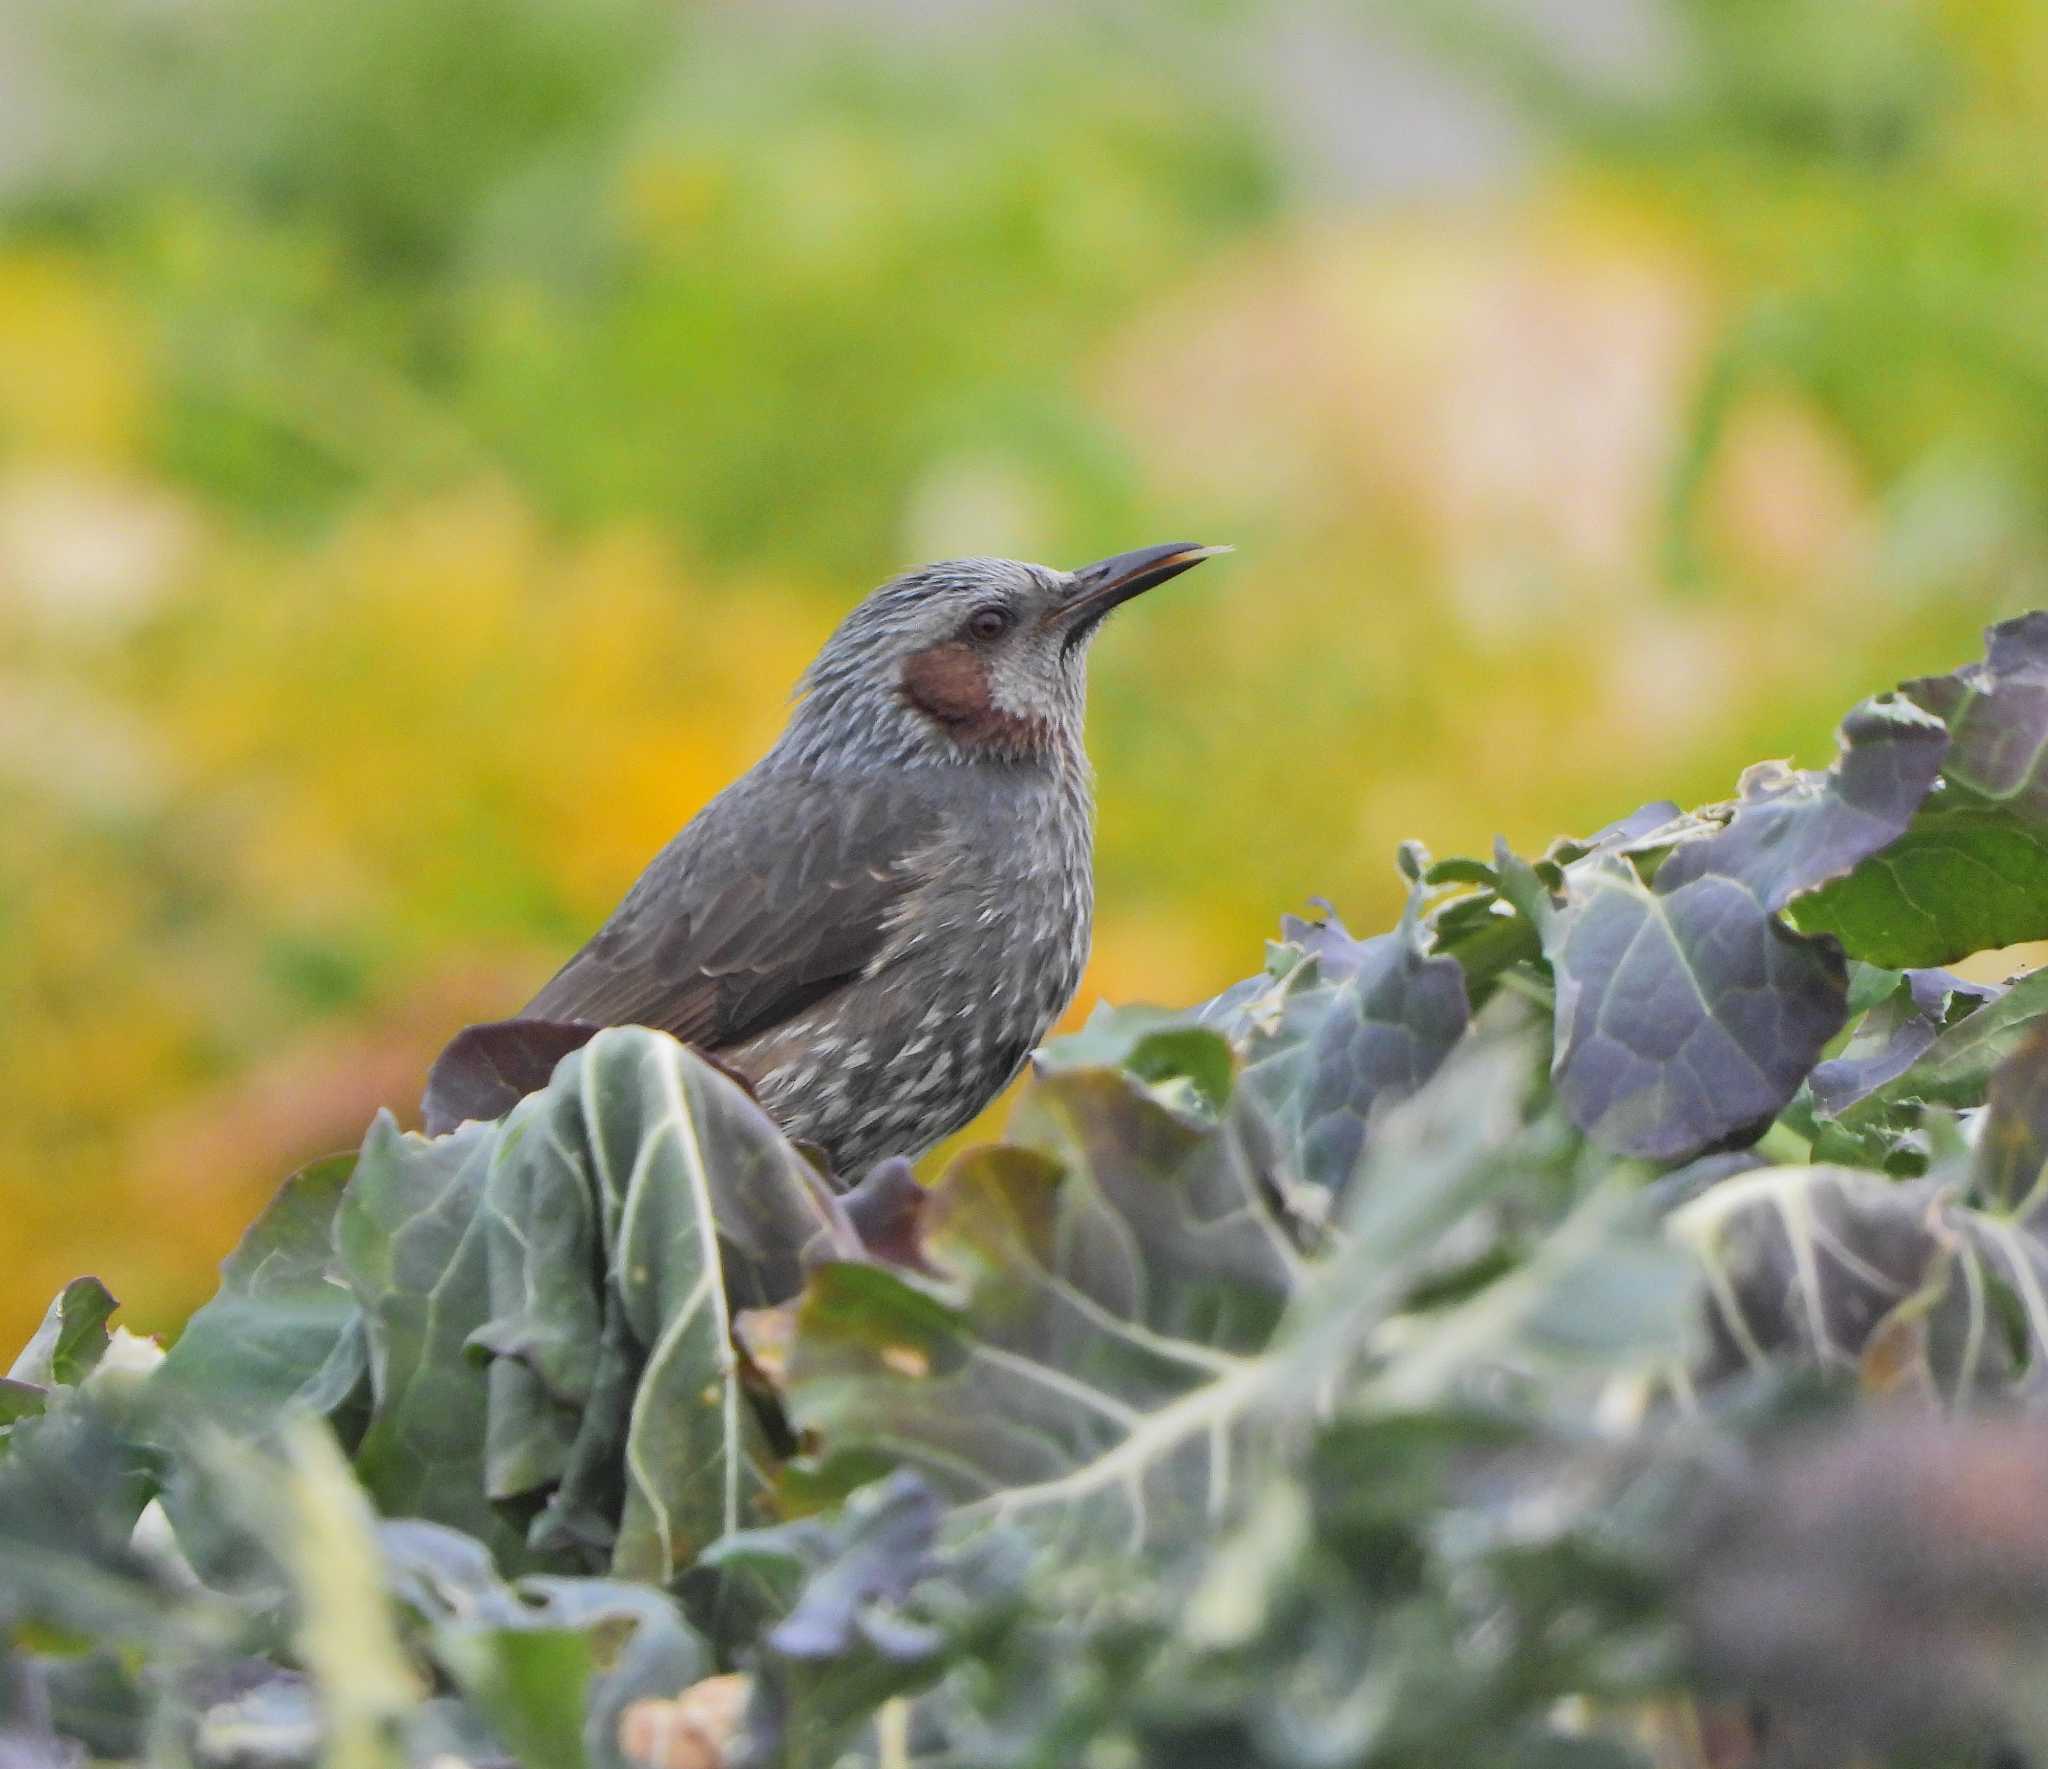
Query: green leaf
(530, 1684)
(1971, 871)
(412, 1251)
(19, 1401)
(622, 1400)
(321, 1529)
(71, 1340)
(1189, 1063)
(1118, 1325)
(1173, 1587)
(2011, 1167)
(278, 1317)
(71, 1488)
(547, 1306)
(1597, 1286)
(540, 1659)
(1104, 1291)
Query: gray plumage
(878, 922)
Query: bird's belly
(909, 1053)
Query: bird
(876, 924)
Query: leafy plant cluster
(1594, 1322)
(407, 368)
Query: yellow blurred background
(435, 433)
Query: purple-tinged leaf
(1870, 1587)
(1687, 1013)
(1807, 1265)
(853, 1635)
(1684, 1019)
(1389, 1025)
(1337, 952)
(1623, 834)
(1954, 1069)
(1893, 1036)
(488, 1069)
(883, 1210)
(885, 1546)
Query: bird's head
(971, 659)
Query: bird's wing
(767, 903)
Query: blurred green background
(434, 434)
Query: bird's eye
(989, 623)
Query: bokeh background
(434, 434)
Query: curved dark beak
(1108, 582)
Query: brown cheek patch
(949, 684)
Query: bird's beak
(1102, 586)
